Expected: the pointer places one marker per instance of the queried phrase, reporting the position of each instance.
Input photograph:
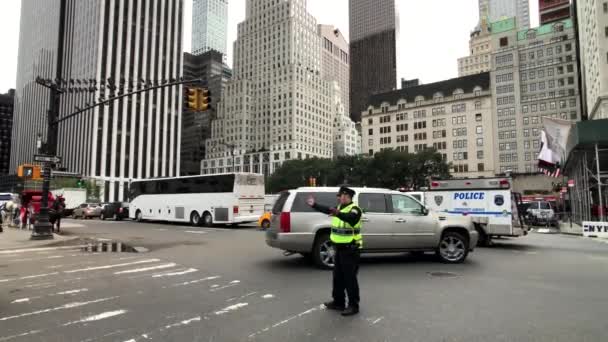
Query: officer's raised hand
(310, 201)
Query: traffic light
(192, 98)
(80, 183)
(204, 99)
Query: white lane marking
(28, 277)
(63, 307)
(71, 292)
(173, 274)
(145, 269)
(241, 297)
(161, 229)
(98, 317)
(377, 320)
(179, 324)
(40, 285)
(36, 259)
(105, 267)
(231, 284)
(33, 332)
(285, 321)
(23, 300)
(194, 232)
(231, 308)
(25, 250)
(194, 281)
(268, 296)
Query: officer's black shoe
(350, 311)
(333, 306)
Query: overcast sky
(434, 33)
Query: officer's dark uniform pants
(345, 275)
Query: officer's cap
(346, 191)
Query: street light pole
(43, 229)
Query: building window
(479, 141)
(385, 119)
(479, 130)
(480, 167)
(370, 131)
(371, 152)
(605, 7)
(370, 121)
(478, 117)
(479, 154)
(477, 104)
(504, 41)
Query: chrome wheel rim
(452, 249)
(139, 216)
(327, 253)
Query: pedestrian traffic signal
(204, 98)
(192, 98)
(80, 183)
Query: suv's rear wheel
(323, 252)
(265, 224)
(453, 248)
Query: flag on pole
(554, 138)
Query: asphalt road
(198, 284)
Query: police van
(490, 202)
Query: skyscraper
(6, 128)
(335, 61)
(196, 126)
(106, 42)
(277, 107)
(373, 38)
(495, 10)
(592, 18)
(534, 75)
(209, 26)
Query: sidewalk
(13, 239)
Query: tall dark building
(373, 51)
(107, 45)
(6, 129)
(196, 126)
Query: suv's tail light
(285, 222)
(504, 183)
(235, 210)
(120, 210)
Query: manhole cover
(442, 274)
(106, 246)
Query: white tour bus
(230, 198)
(490, 202)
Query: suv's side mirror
(425, 211)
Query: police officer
(347, 240)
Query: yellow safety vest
(344, 233)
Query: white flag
(557, 131)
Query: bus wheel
(138, 216)
(207, 220)
(195, 219)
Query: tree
(389, 169)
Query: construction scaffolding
(587, 171)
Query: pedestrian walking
(347, 240)
(58, 208)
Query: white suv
(392, 222)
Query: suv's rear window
(327, 199)
(280, 202)
(545, 205)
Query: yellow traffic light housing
(192, 98)
(204, 98)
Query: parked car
(87, 210)
(392, 222)
(115, 210)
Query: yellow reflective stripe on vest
(344, 233)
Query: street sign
(41, 158)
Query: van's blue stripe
(478, 212)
